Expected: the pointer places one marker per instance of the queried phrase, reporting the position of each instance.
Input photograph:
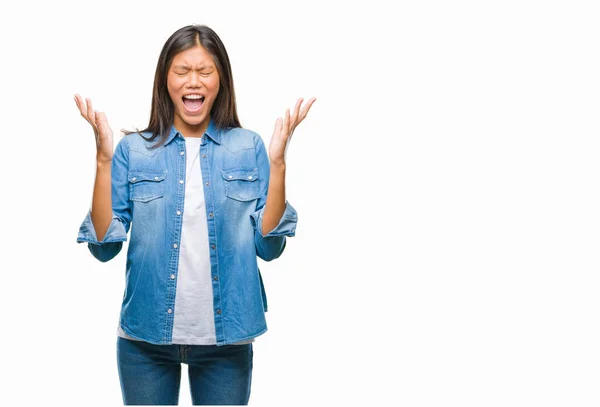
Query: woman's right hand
(102, 132)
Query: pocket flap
(146, 175)
(246, 174)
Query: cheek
(214, 86)
(174, 83)
(172, 88)
(172, 95)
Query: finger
(76, 98)
(90, 111)
(278, 125)
(286, 122)
(101, 122)
(306, 108)
(296, 111)
(81, 106)
(83, 110)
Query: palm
(102, 131)
(284, 128)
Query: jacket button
(216, 278)
(212, 246)
(219, 311)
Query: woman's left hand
(284, 128)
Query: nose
(194, 80)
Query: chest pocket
(241, 183)
(146, 185)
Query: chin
(195, 122)
(192, 120)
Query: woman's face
(193, 84)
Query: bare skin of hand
(284, 128)
(102, 131)
(101, 211)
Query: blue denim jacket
(148, 196)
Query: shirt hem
(232, 342)
(221, 343)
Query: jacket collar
(212, 131)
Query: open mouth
(193, 103)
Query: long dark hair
(223, 112)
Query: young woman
(203, 200)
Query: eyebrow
(188, 67)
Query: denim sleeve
(116, 234)
(271, 245)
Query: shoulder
(137, 142)
(238, 138)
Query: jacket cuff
(286, 226)
(115, 233)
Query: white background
(446, 181)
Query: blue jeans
(151, 374)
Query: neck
(188, 130)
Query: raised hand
(102, 131)
(284, 128)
